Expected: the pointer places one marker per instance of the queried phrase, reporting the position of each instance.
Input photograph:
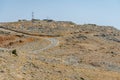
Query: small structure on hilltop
(32, 17)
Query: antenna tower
(32, 16)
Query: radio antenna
(32, 16)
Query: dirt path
(53, 41)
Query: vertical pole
(32, 16)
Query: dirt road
(53, 41)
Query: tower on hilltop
(32, 16)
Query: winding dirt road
(53, 41)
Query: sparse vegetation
(48, 20)
(81, 53)
(14, 52)
(82, 78)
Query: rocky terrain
(58, 50)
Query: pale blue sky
(101, 12)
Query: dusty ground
(81, 52)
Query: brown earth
(84, 52)
(7, 41)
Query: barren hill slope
(80, 52)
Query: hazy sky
(101, 12)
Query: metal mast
(32, 16)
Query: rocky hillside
(80, 52)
